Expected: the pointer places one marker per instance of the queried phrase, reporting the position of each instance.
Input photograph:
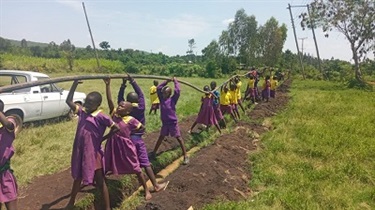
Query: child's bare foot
(162, 186)
(189, 131)
(148, 195)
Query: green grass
(46, 149)
(321, 154)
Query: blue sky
(153, 25)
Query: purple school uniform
(168, 111)
(8, 183)
(206, 114)
(138, 113)
(120, 153)
(87, 153)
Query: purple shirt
(138, 111)
(168, 106)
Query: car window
(13, 79)
(47, 88)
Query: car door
(23, 99)
(51, 101)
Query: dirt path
(215, 172)
(218, 172)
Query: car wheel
(18, 120)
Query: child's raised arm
(177, 91)
(5, 122)
(69, 99)
(120, 96)
(109, 95)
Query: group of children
(125, 151)
(215, 104)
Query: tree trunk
(357, 70)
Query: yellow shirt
(274, 84)
(251, 83)
(234, 99)
(153, 95)
(238, 89)
(225, 98)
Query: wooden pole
(295, 38)
(10, 88)
(92, 38)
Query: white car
(38, 102)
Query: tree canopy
(355, 19)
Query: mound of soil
(217, 172)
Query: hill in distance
(29, 43)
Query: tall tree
(23, 43)
(68, 49)
(355, 19)
(190, 51)
(271, 41)
(104, 45)
(212, 51)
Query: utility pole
(316, 44)
(303, 38)
(92, 38)
(295, 38)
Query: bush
(362, 85)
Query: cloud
(226, 22)
(184, 26)
(74, 4)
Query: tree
(104, 45)
(68, 49)
(190, 51)
(271, 41)
(23, 43)
(212, 51)
(355, 19)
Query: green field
(321, 154)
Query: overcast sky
(153, 25)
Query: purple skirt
(226, 109)
(120, 156)
(273, 93)
(207, 116)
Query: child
(225, 99)
(234, 100)
(154, 97)
(86, 165)
(120, 153)
(274, 84)
(137, 100)
(238, 83)
(250, 90)
(168, 116)
(266, 88)
(216, 106)
(8, 183)
(206, 114)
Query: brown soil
(217, 172)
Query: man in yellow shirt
(154, 97)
